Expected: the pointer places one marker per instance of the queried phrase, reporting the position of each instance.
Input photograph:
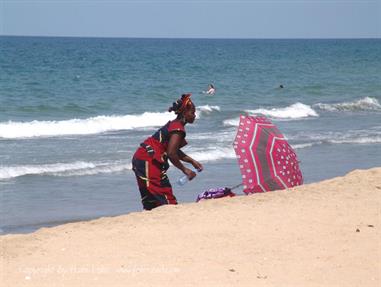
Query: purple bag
(215, 193)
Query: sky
(192, 18)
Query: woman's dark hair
(180, 105)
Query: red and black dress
(150, 164)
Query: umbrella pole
(234, 187)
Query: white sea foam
(206, 109)
(77, 168)
(94, 125)
(231, 122)
(81, 168)
(342, 140)
(303, 145)
(370, 136)
(88, 126)
(295, 111)
(213, 153)
(359, 140)
(364, 104)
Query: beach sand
(321, 234)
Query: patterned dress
(150, 164)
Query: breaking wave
(303, 145)
(208, 109)
(77, 168)
(371, 136)
(360, 140)
(82, 168)
(94, 125)
(231, 122)
(364, 104)
(88, 126)
(343, 140)
(295, 111)
(213, 153)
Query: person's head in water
(184, 109)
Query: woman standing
(150, 161)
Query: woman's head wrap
(182, 104)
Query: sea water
(74, 110)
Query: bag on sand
(215, 193)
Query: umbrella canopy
(266, 160)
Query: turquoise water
(73, 110)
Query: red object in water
(266, 160)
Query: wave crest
(364, 104)
(77, 168)
(206, 109)
(213, 153)
(94, 125)
(231, 122)
(295, 111)
(88, 126)
(355, 137)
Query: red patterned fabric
(150, 164)
(160, 139)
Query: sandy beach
(321, 234)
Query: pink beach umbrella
(266, 160)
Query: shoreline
(313, 235)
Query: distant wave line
(364, 104)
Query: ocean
(74, 110)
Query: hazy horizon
(185, 38)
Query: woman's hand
(197, 165)
(190, 173)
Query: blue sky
(193, 18)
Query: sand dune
(322, 234)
